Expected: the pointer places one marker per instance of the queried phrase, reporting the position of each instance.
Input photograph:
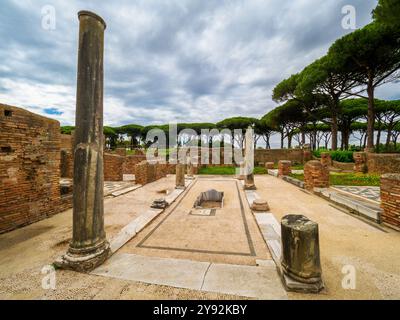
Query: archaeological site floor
(230, 235)
(181, 255)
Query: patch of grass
(355, 179)
(260, 170)
(228, 170)
(217, 170)
(348, 179)
(297, 176)
(294, 166)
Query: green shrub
(338, 155)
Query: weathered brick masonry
(390, 199)
(113, 167)
(316, 175)
(326, 159)
(376, 162)
(29, 168)
(284, 167)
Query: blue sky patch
(53, 111)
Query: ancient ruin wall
(29, 168)
(390, 199)
(376, 162)
(261, 156)
(113, 167)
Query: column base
(303, 287)
(84, 261)
(250, 187)
(180, 187)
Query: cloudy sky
(178, 60)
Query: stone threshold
(373, 202)
(359, 207)
(260, 282)
(124, 190)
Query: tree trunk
(371, 113)
(389, 136)
(335, 130)
(365, 141)
(282, 139)
(378, 138)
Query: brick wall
(315, 175)
(383, 163)
(131, 161)
(67, 164)
(376, 162)
(274, 155)
(29, 168)
(390, 199)
(113, 167)
(67, 141)
(146, 172)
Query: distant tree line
(334, 94)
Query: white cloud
(181, 60)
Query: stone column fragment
(300, 261)
(89, 246)
(180, 176)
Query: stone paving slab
(162, 271)
(120, 192)
(260, 282)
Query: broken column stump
(249, 182)
(284, 168)
(300, 261)
(180, 176)
(316, 175)
(260, 205)
(89, 246)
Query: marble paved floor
(370, 193)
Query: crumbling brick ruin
(29, 168)
(316, 175)
(390, 199)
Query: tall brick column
(315, 175)
(390, 199)
(284, 167)
(89, 246)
